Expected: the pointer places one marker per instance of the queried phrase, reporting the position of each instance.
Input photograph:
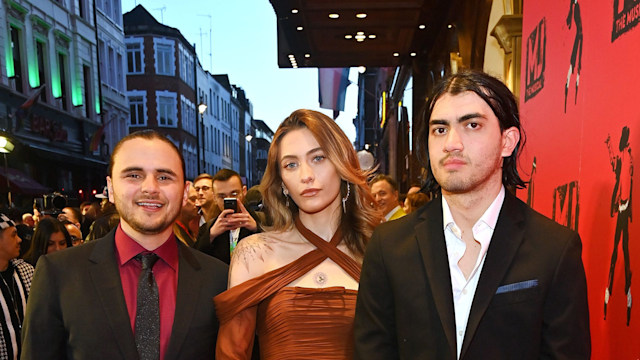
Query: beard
(473, 176)
(148, 224)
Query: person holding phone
(219, 236)
(295, 284)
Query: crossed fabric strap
(253, 291)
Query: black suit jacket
(219, 247)
(77, 310)
(530, 302)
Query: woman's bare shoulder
(251, 255)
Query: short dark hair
(387, 178)
(226, 174)
(501, 101)
(76, 212)
(147, 134)
(203, 176)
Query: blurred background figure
(14, 288)
(414, 189)
(49, 236)
(90, 212)
(25, 232)
(207, 207)
(72, 214)
(27, 219)
(385, 190)
(253, 203)
(105, 222)
(186, 226)
(414, 200)
(74, 232)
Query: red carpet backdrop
(581, 113)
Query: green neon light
(97, 102)
(34, 76)
(56, 84)
(76, 94)
(11, 71)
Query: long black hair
(504, 106)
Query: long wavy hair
(40, 239)
(501, 101)
(360, 218)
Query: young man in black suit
(476, 273)
(220, 235)
(137, 293)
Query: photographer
(220, 235)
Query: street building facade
(50, 107)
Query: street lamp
(6, 146)
(248, 137)
(202, 107)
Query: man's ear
(185, 193)
(510, 138)
(110, 190)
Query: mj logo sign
(536, 44)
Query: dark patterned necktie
(147, 326)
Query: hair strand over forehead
(501, 101)
(361, 217)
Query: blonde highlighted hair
(360, 218)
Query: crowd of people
(322, 260)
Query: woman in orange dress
(295, 284)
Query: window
(137, 108)
(62, 71)
(41, 54)
(16, 52)
(119, 78)
(135, 55)
(111, 67)
(188, 114)
(102, 54)
(165, 58)
(82, 9)
(167, 109)
(186, 66)
(86, 76)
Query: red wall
(570, 147)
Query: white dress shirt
(465, 289)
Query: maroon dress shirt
(165, 273)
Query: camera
(50, 204)
(231, 203)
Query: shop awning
(20, 182)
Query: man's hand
(242, 219)
(221, 224)
(228, 220)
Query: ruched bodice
(291, 322)
(307, 323)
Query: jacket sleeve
(236, 336)
(374, 328)
(43, 333)
(566, 333)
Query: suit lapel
(189, 284)
(430, 237)
(506, 240)
(105, 275)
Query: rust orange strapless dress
(291, 322)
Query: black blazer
(219, 247)
(77, 310)
(530, 303)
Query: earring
(285, 192)
(344, 199)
